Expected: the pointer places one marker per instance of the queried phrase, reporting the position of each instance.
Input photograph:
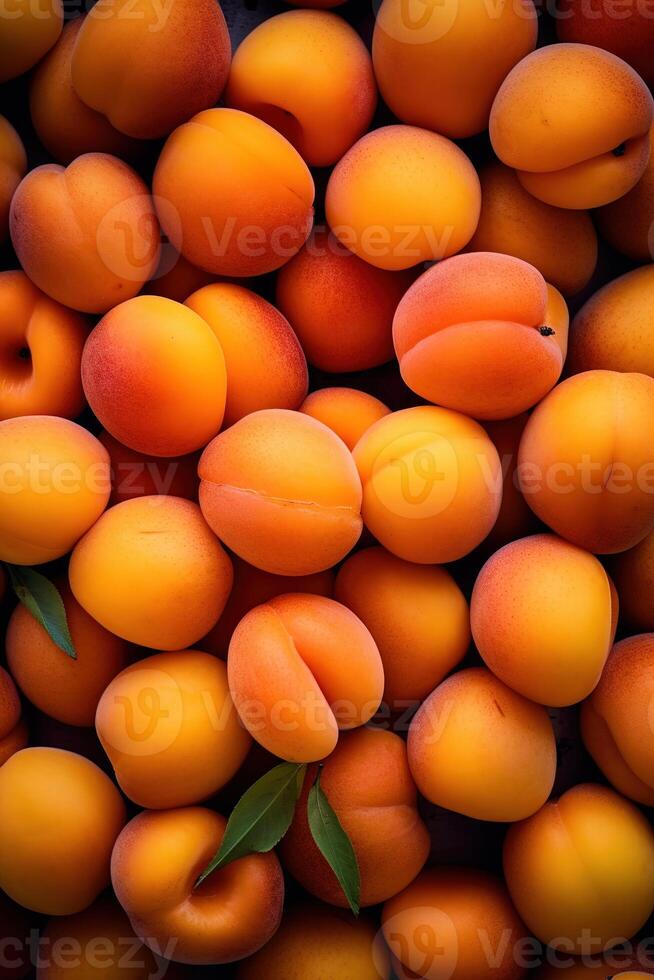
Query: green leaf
(41, 597)
(261, 817)
(334, 844)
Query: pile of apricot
(327, 411)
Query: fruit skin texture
(152, 572)
(463, 911)
(613, 330)
(633, 573)
(467, 336)
(13, 164)
(178, 404)
(616, 719)
(478, 748)
(65, 125)
(9, 704)
(541, 617)
(290, 684)
(417, 615)
(234, 197)
(584, 862)
(586, 460)
(626, 224)
(401, 196)
(308, 74)
(55, 487)
(231, 915)
(281, 490)
(560, 243)
(186, 744)
(265, 364)
(559, 115)
(346, 411)
(630, 35)
(378, 813)
(118, 249)
(340, 307)
(171, 64)
(16, 740)
(432, 483)
(317, 941)
(442, 70)
(65, 689)
(139, 475)
(29, 31)
(515, 519)
(46, 381)
(60, 817)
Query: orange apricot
(291, 687)
(234, 197)
(95, 216)
(16, 740)
(63, 688)
(13, 164)
(54, 486)
(152, 572)
(432, 483)
(586, 460)
(138, 475)
(9, 703)
(178, 404)
(516, 518)
(627, 31)
(282, 491)
(417, 615)
(627, 224)
(41, 351)
(60, 817)
(265, 364)
(471, 335)
(541, 617)
(340, 307)
(29, 30)
(232, 914)
(401, 196)
(308, 74)
(560, 243)
(346, 411)
(633, 573)
(441, 68)
(171, 61)
(581, 870)
(573, 121)
(368, 784)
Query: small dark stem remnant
(546, 331)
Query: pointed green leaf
(41, 597)
(261, 817)
(334, 844)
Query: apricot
(586, 460)
(63, 688)
(616, 720)
(446, 923)
(440, 66)
(178, 404)
(515, 519)
(308, 74)
(633, 572)
(16, 740)
(55, 485)
(402, 195)
(316, 941)
(581, 870)
(138, 475)
(346, 411)
(169, 728)
(368, 784)
(95, 216)
(627, 223)
(281, 490)
(613, 330)
(288, 679)
(560, 243)
(42, 344)
(176, 281)
(541, 617)
(265, 364)
(171, 62)
(627, 32)
(13, 164)
(65, 125)
(232, 914)
(432, 483)
(29, 30)
(573, 121)
(340, 307)
(9, 703)
(471, 335)
(234, 197)
(60, 816)
(417, 615)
